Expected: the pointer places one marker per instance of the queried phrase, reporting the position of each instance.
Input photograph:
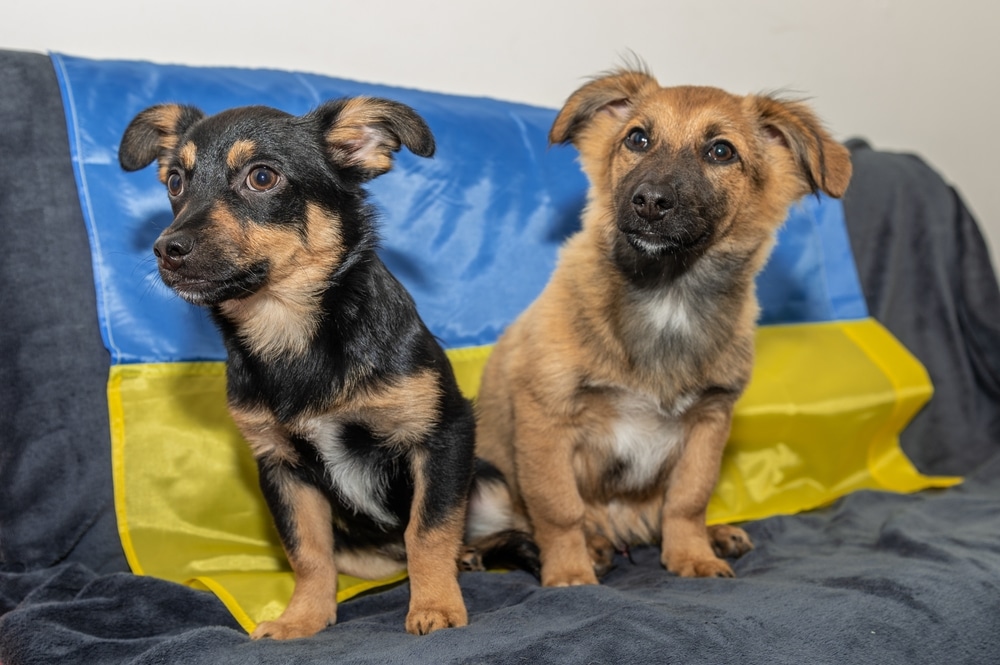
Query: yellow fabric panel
(820, 419)
(468, 364)
(186, 493)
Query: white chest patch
(668, 312)
(642, 439)
(360, 485)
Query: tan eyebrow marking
(187, 155)
(240, 153)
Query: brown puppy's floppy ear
(154, 132)
(363, 132)
(610, 93)
(824, 162)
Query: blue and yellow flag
(473, 234)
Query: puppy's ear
(153, 133)
(824, 162)
(363, 132)
(613, 93)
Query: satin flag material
(473, 233)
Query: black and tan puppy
(607, 404)
(363, 441)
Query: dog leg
(687, 550)
(433, 541)
(302, 515)
(547, 481)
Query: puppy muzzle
(200, 274)
(655, 220)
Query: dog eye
(262, 179)
(637, 140)
(175, 183)
(721, 152)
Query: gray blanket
(878, 578)
(875, 578)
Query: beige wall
(912, 75)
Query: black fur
(365, 332)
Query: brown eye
(262, 178)
(175, 183)
(721, 152)
(637, 140)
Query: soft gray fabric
(926, 274)
(878, 578)
(55, 452)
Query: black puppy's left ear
(363, 132)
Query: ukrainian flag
(473, 234)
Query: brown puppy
(608, 403)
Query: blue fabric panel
(473, 232)
(811, 275)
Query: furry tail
(496, 535)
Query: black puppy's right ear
(612, 93)
(155, 132)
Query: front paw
(602, 553)
(421, 621)
(471, 560)
(698, 567)
(729, 541)
(288, 629)
(566, 558)
(565, 576)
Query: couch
(871, 577)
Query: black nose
(652, 202)
(171, 249)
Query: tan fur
(187, 155)
(313, 604)
(402, 412)
(282, 316)
(432, 561)
(356, 138)
(241, 152)
(165, 119)
(267, 438)
(608, 406)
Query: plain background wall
(911, 75)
